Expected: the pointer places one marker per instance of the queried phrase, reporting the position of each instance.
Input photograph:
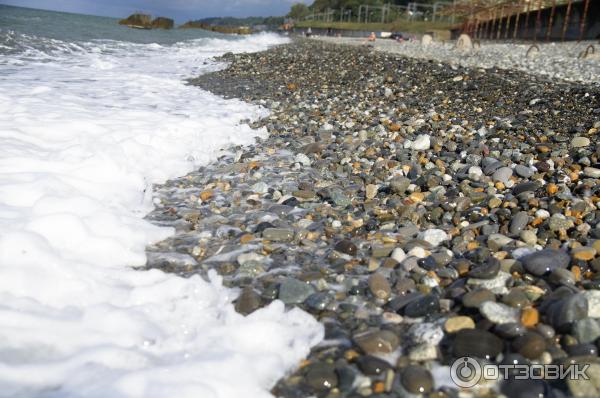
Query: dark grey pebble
(476, 343)
(422, 306)
(371, 365)
(519, 222)
(321, 376)
(416, 379)
(544, 261)
(345, 246)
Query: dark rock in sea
(162, 23)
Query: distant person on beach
(308, 32)
(371, 37)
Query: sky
(180, 10)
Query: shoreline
(399, 202)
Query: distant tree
(298, 11)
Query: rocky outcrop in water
(162, 23)
(144, 21)
(239, 30)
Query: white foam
(84, 132)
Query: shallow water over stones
(400, 227)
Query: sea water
(91, 115)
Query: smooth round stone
(583, 253)
(422, 306)
(475, 173)
(497, 241)
(502, 175)
(525, 388)
(379, 286)
(546, 260)
(456, 323)
(516, 298)
(499, 313)
(523, 171)
(347, 247)
(490, 166)
(531, 345)
(304, 194)
(591, 172)
(489, 270)
(378, 342)
(519, 222)
(586, 330)
(426, 333)
(372, 366)
(398, 254)
(496, 285)
(593, 299)
(399, 185)
(545, 330)
(248, 301)
(423, 352)
(559, 222)
(318, 301)
(562, 276)
(294, 291)
(321, 377)
(278, 234)
(434, 236)
(416, 379)
(528, 237)
(476, 343)
(421, 143)
(475, 298)
(580, 142)
(339, 198)
(564, 312)
(302, 159)
(281, 210)
(580, 350)
(510, 330)
(528, 186)
(371, 191)
(262, 226)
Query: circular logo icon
(465, 372)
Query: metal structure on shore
(531, 20)
(368, 13)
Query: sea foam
(85, 130)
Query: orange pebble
(576, 270)
(573, 176)
(472, 245)
(246, 238)
(378, 387)
(552, 188)
(530, 317)
(205, 195)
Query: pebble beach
(571, 61)
(421, 210)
